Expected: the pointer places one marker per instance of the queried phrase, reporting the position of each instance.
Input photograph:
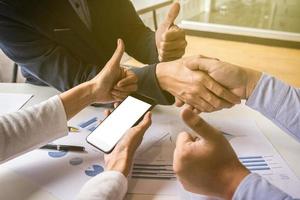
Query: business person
(207, 164)
(63, 43)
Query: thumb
(199, 62)
(197, 124)
(117, 56)
(172, 15)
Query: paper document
(10, 102)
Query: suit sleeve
(139, 39)
(42, 57)
(148, 85)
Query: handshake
(206, 84)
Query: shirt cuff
(256, 187)
(148, 85)
(279, 102)
(107, 185)
(268, 95)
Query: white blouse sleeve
(32, 127)
(109, 185)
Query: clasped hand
(206, 84)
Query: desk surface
(10, 182)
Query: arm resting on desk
(279, 102)
(30, 128)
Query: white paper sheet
(10, 102)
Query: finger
(118, 98)
(173, 45)
(107, 112)
(127, 88)
(146, 122)
(178, 102)
(172, 54)
(127, 81)
(196, 99)
(117, 56)
(199, 63)
(168, 59)
(220, 91)
(135, 135)
(201, 104)
(197, 124)
(172, 35)
(183, 138)
(215, 101)
(116, 104)
(129, 78)
(196, 111)
(172, 14)
(119, 93)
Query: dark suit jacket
(51, 44)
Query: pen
(63, 147)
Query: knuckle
(185, 43)
(162, 52)
(220, 91)
(218, 103)
(209, 97)
(163, 46)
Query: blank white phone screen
(110, 131)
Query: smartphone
(128, 114)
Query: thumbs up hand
(206, 164)
(114, 83)
(170, 39)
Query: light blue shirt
(280, 103)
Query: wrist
(253, 78)
(234, 181)
(92, 89)
(161, 75)
(120, 162)
(166, 73)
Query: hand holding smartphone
(126, 115)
